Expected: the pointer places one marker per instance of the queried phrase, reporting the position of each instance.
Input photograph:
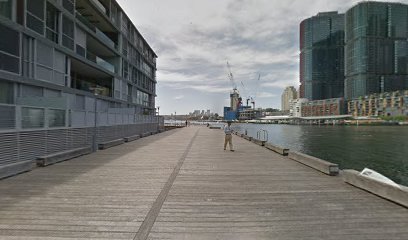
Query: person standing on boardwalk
(228, 136)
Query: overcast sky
(195, 38)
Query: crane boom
(231, 77)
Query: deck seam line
(154, 211)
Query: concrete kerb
(258, 142)
(316, 163)
(131, 138)
(15, 168)
(389, 192)
(109, 144)
(53, 158)
(277, 149)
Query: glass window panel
(44, 73)
(7, 117)
(44, 54)
(35, 24)
(5, 8)
(68, 32)
(59, 62)
(68, 5)
(32, 117)
(6, 92)
(36, 7)
(56, 118)
(9, 41)
(9, 63)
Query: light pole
(158, 118)
(94, 144)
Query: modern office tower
(72, 73)
(322, 56)
(288, 94)
(376, 50)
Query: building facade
(326, 107)
(288, 94)
(380, 104)
(376, 48)
(296, 107)
(72, 73)
(322, 56)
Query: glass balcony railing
(100, 62)
(105, 64)
(101, 35)
(85, 21)
(104, 38)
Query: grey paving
(182, 185)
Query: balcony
(100, 62)
(101, 35)
(96, 13)
(100, 6)
(105, 38)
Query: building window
(32, 117)
(35, 15)
(45, 62)
(7, 117)
(67, 33)
(125, 70)
(6, 93)
(28, 57)
(52, 23)
(69, 5)
(56, 118)
(9, 50)
(5, 8)
(59, 68)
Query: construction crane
(231, 77)
(244, 93)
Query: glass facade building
(322, 56)
(72, 73)
(376, 48)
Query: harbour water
(381, 148)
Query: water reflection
(382, 148)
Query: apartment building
(322, 56)
(72, 72)
(376, 48)
(380, 104)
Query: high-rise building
(376, 50)
(72, 73)
(288, 94)
(322, 56)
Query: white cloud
(193, 40)
(179, 97)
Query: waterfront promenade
(181, 184)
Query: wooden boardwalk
(182, 185)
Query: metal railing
(262, 135)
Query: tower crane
(231, 77)
(244, 93)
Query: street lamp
(94, 144)
(95, 93)
(158, 118)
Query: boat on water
(378, 177)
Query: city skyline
(194, 40)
